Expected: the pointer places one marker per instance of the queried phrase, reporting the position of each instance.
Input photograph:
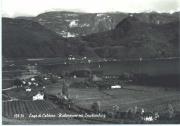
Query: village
(64, 92)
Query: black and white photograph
(90, 62)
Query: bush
(17, 82)
(171, 112)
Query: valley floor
(149, 98)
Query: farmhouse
(24, 82)
(38, 96)
(28, 89)
(29, 83)
(150, 117)
(46, 78)
(74, 76)
(36, 84)
(32, 79)
(116, 86)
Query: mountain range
(100, 35)
(73, 24)
(133, 38)
(28, 39)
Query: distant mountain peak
(130, 20)
(88, 23)
(129, 24)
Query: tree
(171, 112)
(17, 82)
(65, 89)
(96, 107)
(129, 113)
(116, 111)
(53, 79)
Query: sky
(14, 8)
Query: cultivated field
(11, 108)
(149, 98)
(18, 113)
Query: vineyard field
(11, 108)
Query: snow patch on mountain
(71, 15)
(100, 15)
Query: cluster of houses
(31, 84)
(73, 58)
(135, 114)
(150, 117)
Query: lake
(150, 67)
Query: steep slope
(133, 38)
(25, 39)
(73, 24)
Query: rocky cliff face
(72, 24)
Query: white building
(24, 82)
(32, 79)
(116, 86)
(148, 118)
(29, 83)
(39, 96)
(36, 84)
(28, 89)
(74, 76)
(46, 78)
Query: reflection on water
(156, 67)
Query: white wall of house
(38, 97)
(116, 86)
(28, 90)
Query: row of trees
(133, 113)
